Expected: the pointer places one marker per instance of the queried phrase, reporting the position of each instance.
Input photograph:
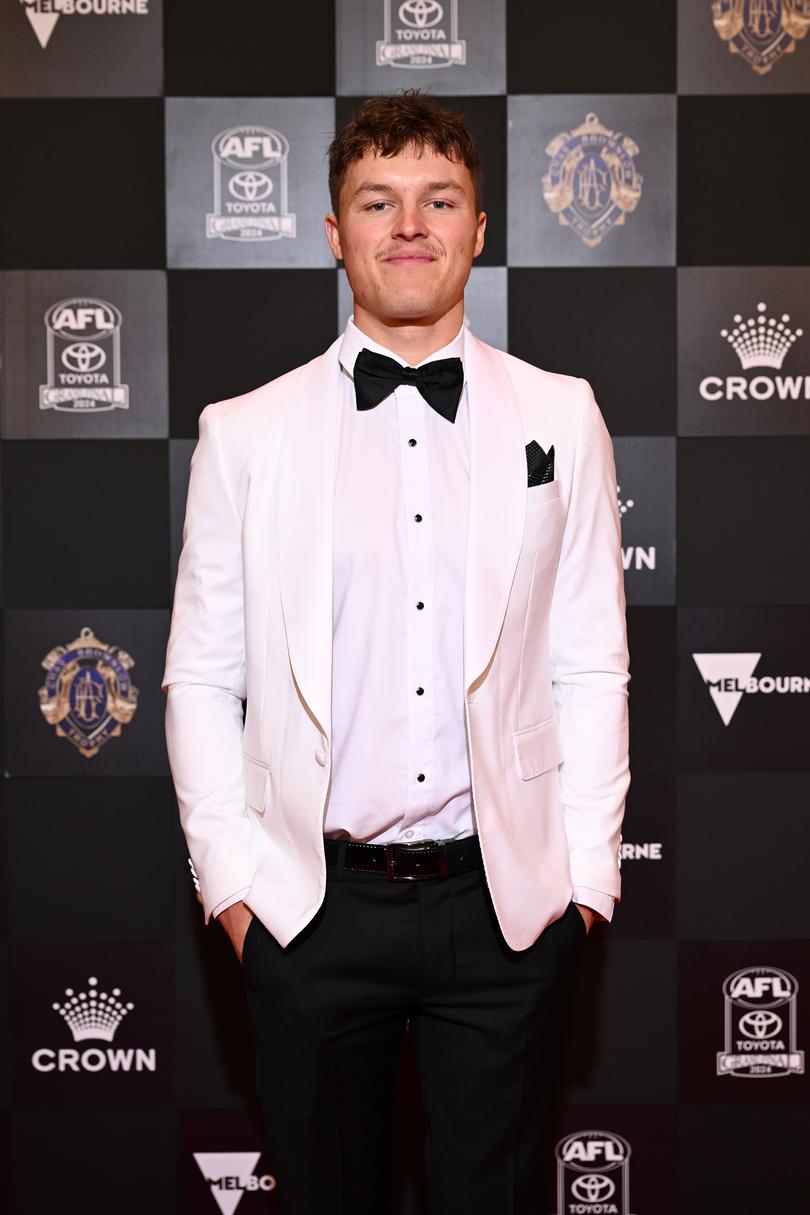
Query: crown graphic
(625, 504)
(93, 1013)
(761, 342)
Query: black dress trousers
(329, 1014)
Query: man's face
(408, 232)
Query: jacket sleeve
(204, 678)
(589, 660)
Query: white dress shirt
(400, 771)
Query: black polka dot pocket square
(540, 464)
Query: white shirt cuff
(234, 898)
(602, 904)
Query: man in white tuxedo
(405, 557)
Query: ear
(479, 236)
(330, 224)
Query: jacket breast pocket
(256, 775)
(538, 748)
(542, 493)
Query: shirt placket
(419, 610)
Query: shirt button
(418, 518)
(420, 605)
(420, 691)
(408, 834)
(412, 442)
(420, 776)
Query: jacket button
(320, 756)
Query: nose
(409, 222)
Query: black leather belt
(407, 862)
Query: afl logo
(593, 1173)
(83, 336)
(760, 1024)
(83, 317)
(258, 147)
(250, 185)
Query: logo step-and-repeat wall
(161, 246)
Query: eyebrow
(370, 187)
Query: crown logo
(758, 342)
(93, 1014)
(624, 504)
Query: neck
(412, 340)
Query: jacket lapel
(497, 502)
(305, 516)
(305, 520)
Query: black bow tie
(440, 382)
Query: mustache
(409, 252)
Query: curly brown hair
(389, 123)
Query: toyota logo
(420, 14)
(761, 1024)
(593, 1187)
(83, 356)
(249, 186)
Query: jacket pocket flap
(255, 783)
(538, 749)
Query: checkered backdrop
(161, 208)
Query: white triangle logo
(719, 669)
(42, 25)
(216, 1166)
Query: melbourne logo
(592, 181)
(83, 352)
(760, 341)
(44, 14)
(760, 1024)
(593, 1174)
(250, 186)
(761, 31)
(230, 1176)
(93, 1016)
(420, 34)
(650, 850)
(729, 677)
(88, 695)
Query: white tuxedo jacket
(545, 651)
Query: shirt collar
(354, 340)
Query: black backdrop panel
(123, 993)
(725, 198)
(615, 328)
(231, 331)
(742, 1025)
(715, 1138)
(93, 860)
(130, 1154)
(743, 840)
(102, 208)
(744, 521)
(95, 524)
(89, 740)
(744, 689)
(615, 48)
(648, 852)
